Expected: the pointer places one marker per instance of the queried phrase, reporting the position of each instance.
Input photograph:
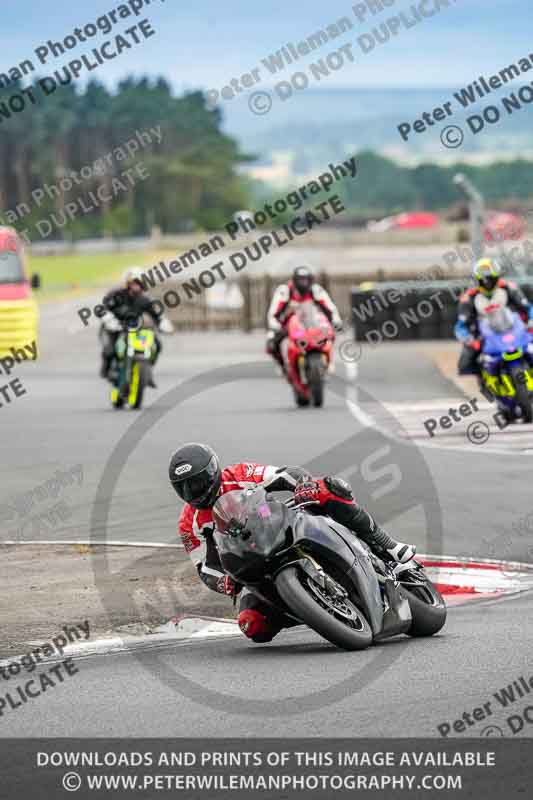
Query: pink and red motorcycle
(309, 352)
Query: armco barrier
(410, 310)
(255, 292)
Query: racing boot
(153, 360)
(278, 358)
(402, 553)
(381, 543)
(273, 349)
(104, 367)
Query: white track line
(117, 644)
(518, 565)
(89, 543)
(368, 421)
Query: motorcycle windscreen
(502, 331)
(141, 340)
(501, 319)
(250, 527)
(310, 316)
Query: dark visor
(199, 486)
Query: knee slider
(254, 624)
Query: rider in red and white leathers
(300, 289)
(197, 465)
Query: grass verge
(64, 274)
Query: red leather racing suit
(286, 296)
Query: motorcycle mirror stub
(235, 528)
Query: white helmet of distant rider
(134, 280)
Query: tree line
(194, 181)
(386, 187)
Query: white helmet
(134, 274)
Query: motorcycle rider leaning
(126, 302)
(198, 478)
(300, 289)
(491, 289)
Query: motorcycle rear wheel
(428, 610)
(321, 613)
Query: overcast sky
(206, 43)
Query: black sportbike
(315, 571)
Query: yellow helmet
(487, 273)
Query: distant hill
(316, 126)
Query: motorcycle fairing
(498, 342)
(141, 341)
(324, 536)
(502, 385)
(308, 330)
(504, 344)
(397, 616)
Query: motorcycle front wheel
(140, 376)
(315, 378)
(336, 619)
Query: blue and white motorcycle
(507, 363)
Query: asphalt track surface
(463, 499)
